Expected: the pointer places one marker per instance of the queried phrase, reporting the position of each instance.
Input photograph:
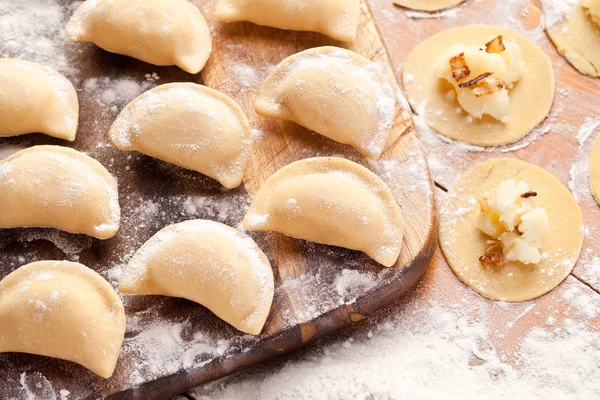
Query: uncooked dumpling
(595, 169)
(335, 18)
(209, 263)
(159, 32)
(334, 92)
(574, 28)
(64, 310)
(428, 5)
(510, 230)
(332, 201)
(36, 98)
(189, 125)
(510, 114)
(58, 187)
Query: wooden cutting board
(172, 344)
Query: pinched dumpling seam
(176, 35)
(371, 72)
(137, 265)
(136, 119)
(61, 86)
(64, 159)
(258, 217)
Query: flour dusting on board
(434, 350)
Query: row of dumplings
(175, 32)
(333, 201)
(327, 200)
(329, 90)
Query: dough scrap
(209, 263)
(334, 92)
(58, 187)
(189, 125)
(159, 32)
(576, 37)
(530, 99)
(64, 310)
(428, 5)
(36, 98)
(337, 19)
(331, 201)
(595, 169)
(462, 243)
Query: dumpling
(189, 125)
(335, 18)
(36, 98)
(332, 201)
(58, 187)
(209, 263)
(64, 310)
(334, 92)
(159, 32)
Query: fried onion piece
(495, 45)
(493, 254)
(459, 67)
(475, 80)
(487, 86)
(529, 194)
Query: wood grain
(309, 301)
(552, 146)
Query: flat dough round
(595, 169)
(577, 38)
(462, 243)
(530, 99)
(428, 5)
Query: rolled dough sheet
(576, 37)
(462, 243)
(530, 99)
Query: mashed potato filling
(482, 76)
(510, 217)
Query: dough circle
(530, 99)
(595, 169)
(577, 38)
(428, 5)
(462, 243)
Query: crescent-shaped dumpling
(36, 98)
(208, 263)
(58, 187)
(332, 201)
(159, 32)
(334, 92)
(64, 310)
(189, 125)
(335, 18)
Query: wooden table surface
(553, 146)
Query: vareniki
(334, 92)
(209, 263)
(64, 310)
(335, 18)
(331, 201)
(36, 98)
(58, 187)
(160, 32)
(189, 125)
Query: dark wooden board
(172, 344)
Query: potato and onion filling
(515, 225)
(482, 76)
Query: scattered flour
(431, 350)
